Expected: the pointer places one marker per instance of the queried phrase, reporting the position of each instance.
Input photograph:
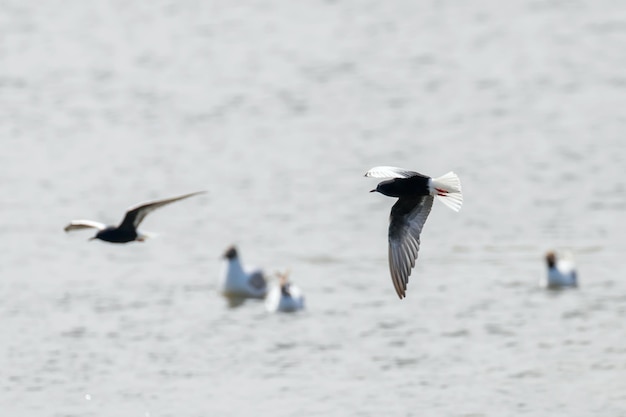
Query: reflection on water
(234, 301)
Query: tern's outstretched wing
(84, 224)
(390, 172)
(136, 214)
(407, 219)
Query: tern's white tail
(143, 235)
(448, 189)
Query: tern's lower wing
(407, 219)
(390, 172)
(136, 214)
(84, 224)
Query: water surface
(277, 109)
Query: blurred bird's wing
(407, 219)
(390, 172)
(84, 224)
(257, 280)
(135, 215)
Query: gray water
(277, 108)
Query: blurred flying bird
(126, 231)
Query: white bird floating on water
(561, 272)
(284, 297)
(415, 193)
(237, 282)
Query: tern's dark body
(117, 235)
(405, 187)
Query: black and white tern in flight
(415, 193)
(127, 229)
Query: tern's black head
(551, 259)
(231, 253)
(386, 188)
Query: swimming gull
(284, 297)
(239, 282)
(561, 272)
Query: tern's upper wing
(390, 172)
(407, 219)
(84, 224)
(136, 214)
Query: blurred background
(278, 108)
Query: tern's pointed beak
(92, 238)
(373, 191)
